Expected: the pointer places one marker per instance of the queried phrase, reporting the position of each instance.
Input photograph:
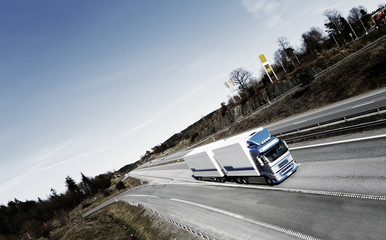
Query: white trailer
(243, 158)
(203, 165)
(234, 157)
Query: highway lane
(355, 167)
(334, 111)
(241, 213)
(352, 167)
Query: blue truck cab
(271, 156)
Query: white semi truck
(243, 158)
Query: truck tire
(244, 180)
(269, 181)
(238, 180)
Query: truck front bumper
(288, 171)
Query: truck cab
(271, 156)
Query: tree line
(30, 217)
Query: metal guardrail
(337, 130)
(181, 225)
(321, 124)
(376, 110)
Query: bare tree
(338, 26)
(334, 18)
(279, 58)
(285, 47)
(241, 78)
(356, 14)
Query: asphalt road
(304, 205)
(336, 111)
(240, 213)
(353, 167)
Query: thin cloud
(65, 161)
(170, 70)
(200, 63)
(275, 19)
(261, 7)
(253, 6)
(163, 111)
(49, 153)
(143, 124)
(269, 11)
(13, 182)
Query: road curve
(242, 213)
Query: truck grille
(287, 169)
(283, 163)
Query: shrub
(120, 185)
(223, 109)
(194, 136)
(305, 77)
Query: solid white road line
(238, 216)
(263, 224)
(303, 191)
(364, 104)
(338, 142)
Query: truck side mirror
(260, 161)
(265, 159)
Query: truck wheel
(244, 180)
(238, 180)
(269, 181)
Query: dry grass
(120, 221)
(97, 226)
(146, 225)
(117, 221)
(91, 203)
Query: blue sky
(89, 86)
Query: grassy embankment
(119, 220)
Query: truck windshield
(275, 152)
